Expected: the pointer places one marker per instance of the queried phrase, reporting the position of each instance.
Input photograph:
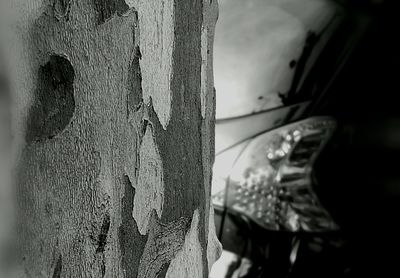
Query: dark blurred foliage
(359, 174)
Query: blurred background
(307, 174)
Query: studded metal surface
(271, 182)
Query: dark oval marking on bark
(102, 240)
(107, 8)
(58, 268)
(54, 103)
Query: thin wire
(225, 204)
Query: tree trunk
(118, 105)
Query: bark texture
(114, 177)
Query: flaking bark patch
(106, 9)
(214, 247)
(189, 261)
(150, 183)
(210, 10)
(156, 21)
(210, 15)
(164, 242)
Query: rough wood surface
(117, 158)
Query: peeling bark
(106, 9)
(114, 173)
(150, 183)
(156, 21)
(189, 262)
(214, 247)
(210, 16)
(163, 244)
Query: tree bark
(118, 104)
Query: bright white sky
(255, 42)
